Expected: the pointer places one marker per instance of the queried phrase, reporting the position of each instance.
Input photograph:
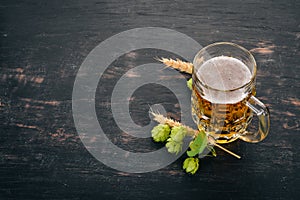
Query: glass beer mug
(223, 101)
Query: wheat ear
(164, 120)
(192, 132)
(177, 64)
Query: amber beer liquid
(217, 105)
(223, 96)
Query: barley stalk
(192, 132)
(177, 64)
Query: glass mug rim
(252, 59)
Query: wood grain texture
(43, 44)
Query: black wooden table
(44, 43)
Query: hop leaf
(189, 83)
(191, 165)
(173, 146)
(160, 133)
(178, 133)
(198, 145)
(212, 150)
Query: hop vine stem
(192, 132)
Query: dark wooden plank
(43, 44)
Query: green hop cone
(160, 133)
(191, 165)
(173, 146)
(174, 143)
(178, 133)
(189, 83)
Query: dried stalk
(226, 150)
(164, 120)
(182, 66)
(192, 132)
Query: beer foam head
(224, 73)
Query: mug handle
(263, 115)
